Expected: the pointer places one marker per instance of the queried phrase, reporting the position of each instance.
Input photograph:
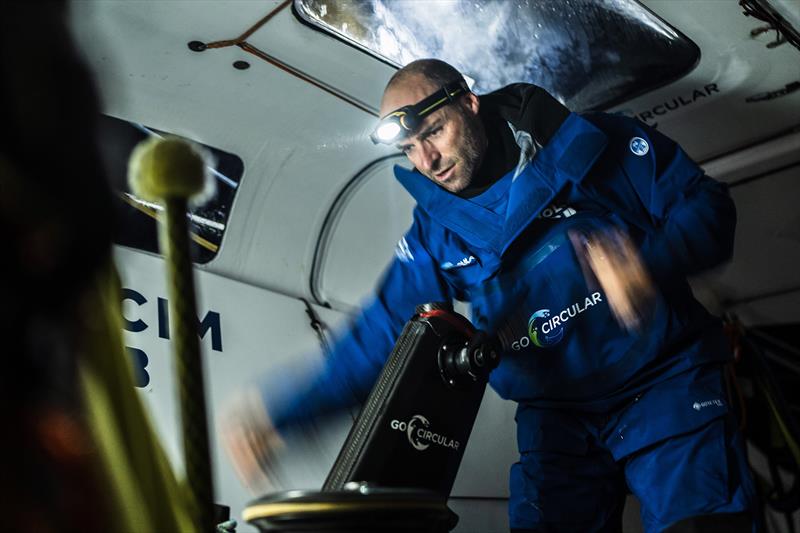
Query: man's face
(449, 144)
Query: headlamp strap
(436, 100)
(408, 117)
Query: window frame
(604, 105)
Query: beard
(466, 158)
(473, 149)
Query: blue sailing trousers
(675, 447)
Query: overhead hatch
(590, 54)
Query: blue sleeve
(358, 356)
(694, 216)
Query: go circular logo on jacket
(541, 330)
(546, 329)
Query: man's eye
(436, 131)
(406, 149)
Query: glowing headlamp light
(387, 131)
(405, 120)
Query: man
(572, 237)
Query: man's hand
(250, 440)
(615, 262)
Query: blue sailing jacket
(506, 252)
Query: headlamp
(403, 121)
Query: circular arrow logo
(539, 337)
(417, 422)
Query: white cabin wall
(300, 145)
(262, 334)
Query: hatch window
(137, 226)
(590, 54)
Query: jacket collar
(568, 157)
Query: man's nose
(429, 156)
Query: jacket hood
(568, 157)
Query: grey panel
(477, 515)
(767, 252)
(490, 452)
(364, 235)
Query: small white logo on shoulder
(639, 146)
(403, 252)
(460, 263)
(707, 403)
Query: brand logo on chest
(547, 329)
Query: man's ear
(471, 103)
